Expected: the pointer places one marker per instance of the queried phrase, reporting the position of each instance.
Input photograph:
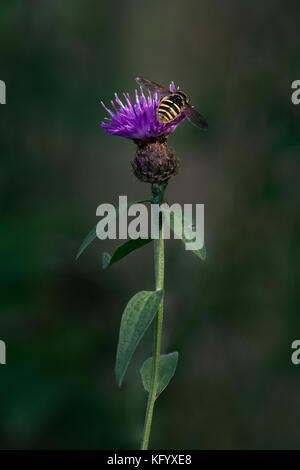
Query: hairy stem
(159, 265)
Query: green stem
(159, 265)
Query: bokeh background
(233, 317)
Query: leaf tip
(203, 253)
(105, 260)
(119, 377)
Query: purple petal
(138, 120)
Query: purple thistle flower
(138, 120)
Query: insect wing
(152, 86)
(195, 117)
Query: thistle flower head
(138, 121)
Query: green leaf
(176, 225)
(137, 316)
(167, 367)
(93, 234)
(105, 260)
(123, 251)
(88, 239)
(201, 253)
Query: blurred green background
(233, 317)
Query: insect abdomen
(170, 107)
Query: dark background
(233, 317)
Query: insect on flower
(148, 121)
(137, 119)
(173, 104)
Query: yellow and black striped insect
(173, 104)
